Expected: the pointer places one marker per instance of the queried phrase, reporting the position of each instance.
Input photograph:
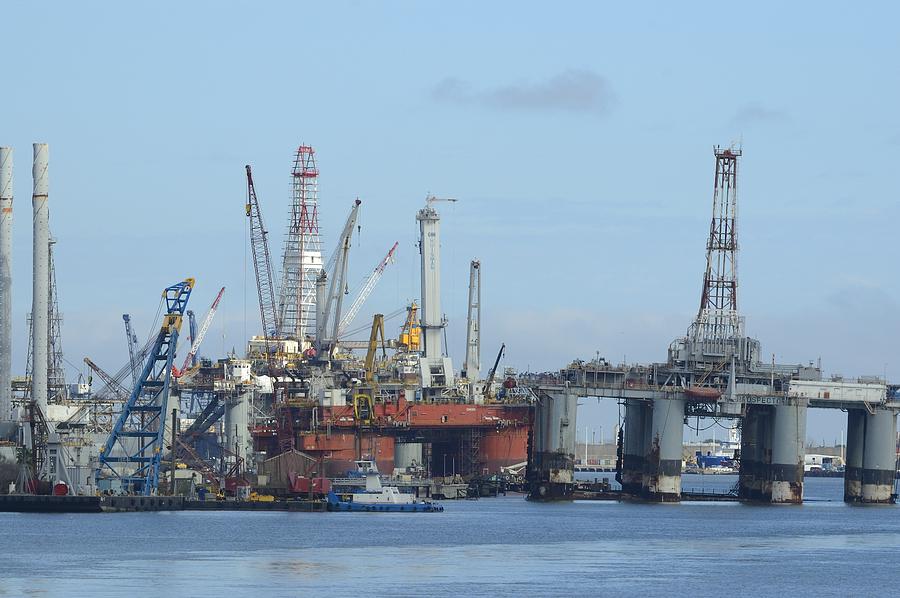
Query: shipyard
(299, 416)
(401, 299)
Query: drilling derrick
(718, 317)
(716, 336)
(302, 259)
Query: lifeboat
(703, 392)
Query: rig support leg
(788, 454)
(856, 441)
(634, 447)
(663, 484)
(551, 466)
(748, 485)
(879, 457)
(756, 454)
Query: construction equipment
(490, 380)
(131, 339)
(133, 451)
(366, 290)
(364, 395)
(262, 266)
(472, 364)
(199, 339)
(192, 330)
(336, 289)
(111, 383)
(410, 340)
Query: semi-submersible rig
(409, 409)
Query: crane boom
(338, 280)
(367, 289)
(197, 341)
(131, 337)
(133, 450)
(121, 392)
(262, 265)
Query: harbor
(417, 299)
(301, 419)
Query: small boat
(378, 498)
(703, 392)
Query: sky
(577, 137)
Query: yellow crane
(411, 333)
(364, 395)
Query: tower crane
(199, 339)
(134, 448)
(262, 265)
(367, 289)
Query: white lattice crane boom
(367, 289)
(199, 340)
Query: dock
(31, 503)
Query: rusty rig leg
(788, 454)
(664, 458)
(879, 457)
(856, 438)
(748, 479)
(634, 447)
(551, 467)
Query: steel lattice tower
(56, 374)
(302, 258)
(718, 318)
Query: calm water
(503, 546)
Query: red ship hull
(456, 438)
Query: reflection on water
(503, 546)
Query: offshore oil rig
(298, 405)
(716, 371)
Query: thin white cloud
(755, 112)
(578, 91)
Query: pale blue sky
(577, 136)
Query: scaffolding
(302, 257)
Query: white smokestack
(40, 302)
(6, 216)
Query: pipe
(40, 302)
(6, 216)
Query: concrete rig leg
(879, 457)
(663, 484)
(856, 439)
(634, 447)
(756, 454)
(788, 455)
(747, 475)
(551, 467)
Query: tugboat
(378, 498)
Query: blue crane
(134, 448)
